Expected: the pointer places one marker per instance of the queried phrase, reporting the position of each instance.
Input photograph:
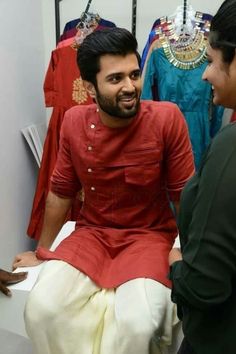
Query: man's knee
(39, 309)
(136, 324)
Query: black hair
(223, 30)
(114, 41)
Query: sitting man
(105, 289)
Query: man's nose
(128, 85)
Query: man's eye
(114, 79)
(136, 75)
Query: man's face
(119, 85)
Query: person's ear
(90, 88)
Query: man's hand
(174, 255)
(7, 278)
(26, 259)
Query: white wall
(21, 101)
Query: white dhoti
(67, 313)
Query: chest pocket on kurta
(143, 166)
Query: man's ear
(90, 88)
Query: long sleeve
(64, 181)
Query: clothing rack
(57, 20)
(86, 10)
(134, 13)
(88, 6)
(184, 12)
(57, 16)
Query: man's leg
(143, 309)
(66, 313)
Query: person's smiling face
(118, 86)
(222, 77)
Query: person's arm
(175, 255)
(55, 215)
(64, 185)
(7, 278)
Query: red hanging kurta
(63, 88)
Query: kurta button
(90, 148)
(90, 170)
(92, 126)
(92, 188)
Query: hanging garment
(173, 72)
(165, 82)
(72, 24)
(165, 25)
(71, 29)
(63, 88)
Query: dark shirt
(204, 283)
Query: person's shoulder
(79, 112)
(223, 144)
(228, 129)
(226, 134)
(82, 108)
(162, 111)
(76, 117)
(160, 106)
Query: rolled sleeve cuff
(62, 190)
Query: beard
(114, 107)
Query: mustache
(128, 95)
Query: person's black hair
(223, 30)
(114, 41)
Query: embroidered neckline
(184, 51)
(186, 55)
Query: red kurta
(125, 228)
(63, 88)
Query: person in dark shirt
(204, 272)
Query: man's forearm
(55, 214)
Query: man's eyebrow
(120, 73)
(115, 73)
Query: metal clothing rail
(134, 13)
(184, 12)
(57, 17)
(88, 6)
